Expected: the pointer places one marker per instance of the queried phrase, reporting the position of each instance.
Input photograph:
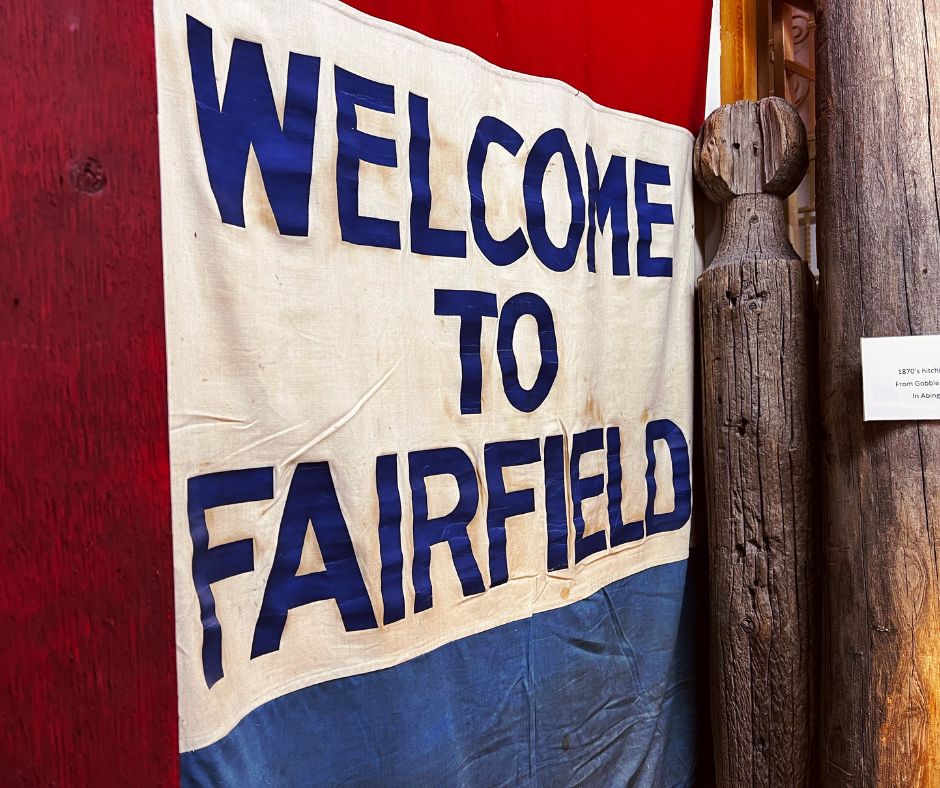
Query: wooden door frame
(738, 50)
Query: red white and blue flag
(429, 324)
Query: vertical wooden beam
(87, 661)
(777, 21)
(763, 36)
(758, 372)
(879, 238)
(738, 50)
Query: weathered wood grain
(879, 249)
(758, 339)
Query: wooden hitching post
(756, 312)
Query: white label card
(901, 378)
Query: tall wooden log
(758, 369)
(879, 239)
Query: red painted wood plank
(87, 661)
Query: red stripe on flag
(647, 58)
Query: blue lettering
(491, 130)
(527, 400)
(501, 505)
(556, 258)
(584, 488)
(556, 503)
(212, 564)
(355, 146)
(424, 238)
(648, 214)
(312, 502)
(471, 307)
(608, 198)
(663, 429)
(620, 533)
(248, 119)
(386, 486)
(450, 528)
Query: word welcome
(247, 118)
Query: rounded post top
(751, 147)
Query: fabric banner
(430, 358)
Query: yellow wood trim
(738, 50)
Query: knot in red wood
(87, 175)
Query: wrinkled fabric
(597, 693)
(430, 353)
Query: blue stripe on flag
(599, 692)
